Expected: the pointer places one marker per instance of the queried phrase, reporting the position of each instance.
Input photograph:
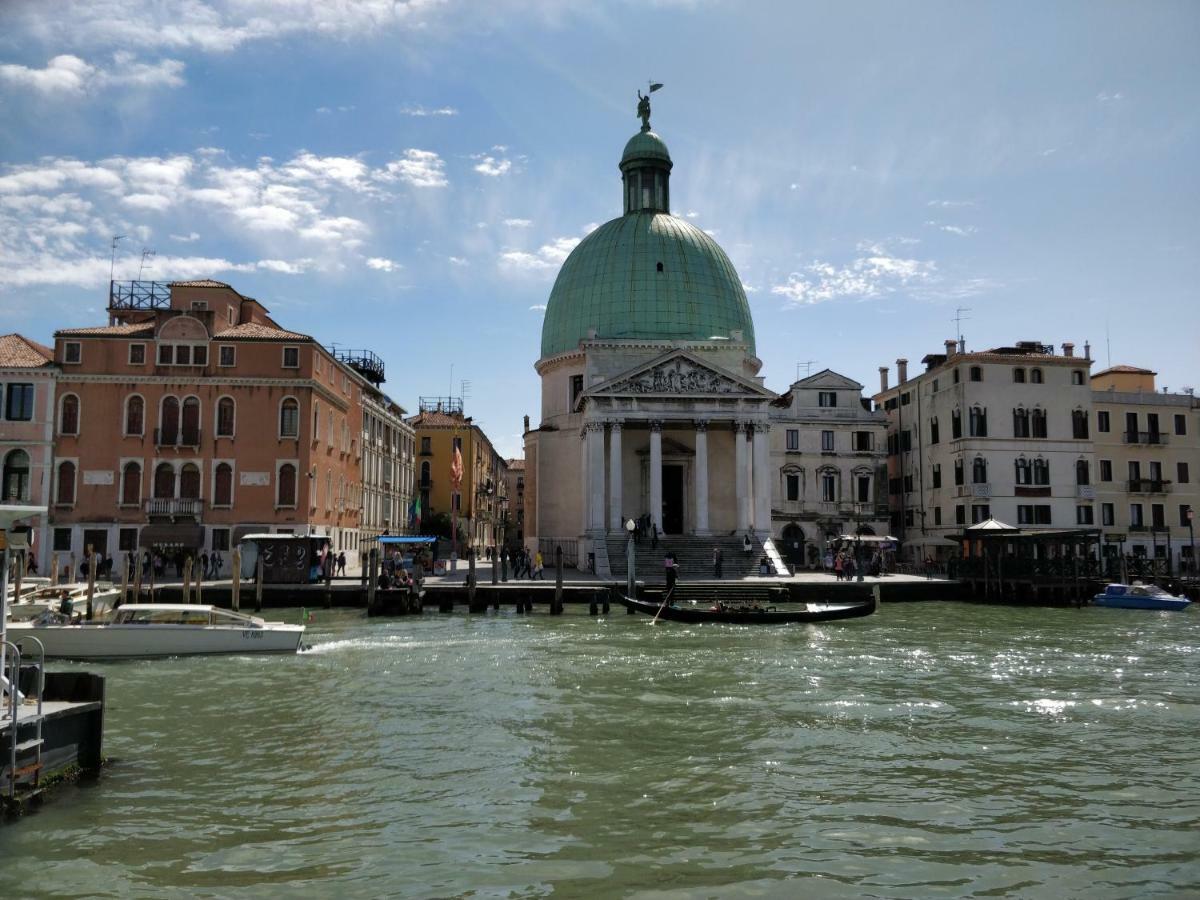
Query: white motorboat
(70, 599)
(159, 629)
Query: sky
(407, 177)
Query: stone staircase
(694, 554)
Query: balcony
(1145, 437)
(174, 508)
(1139, 528)
(1085, 492)
(982, 489)
(1147, 486)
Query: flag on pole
(456, 469)
(655, 86)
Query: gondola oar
(666, 598)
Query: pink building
(27, 375)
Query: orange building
(193, 418)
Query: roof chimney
(901, 371)
(962, 345)
(1087, 351)
(526, 423)
(883, 374)
(1068, 348)
(950, 345)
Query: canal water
(933, 750)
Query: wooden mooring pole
(125, 579)
(258, 583)
(329, 564)
(54, 571)
(372, 575)
(471, 583)
(235, 586)
(187, 580)
(91, 582)
(137, 579)
(556, 607)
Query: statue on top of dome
(643, 109)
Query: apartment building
(514, 479)
(1005, 433)
(389, 456)
(1147, 457)
(27, 379)
(828, 456)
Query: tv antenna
(112, 262)
(464, 389)
(958, 320)
(147, 253)
(808, 364)
(1108, 343)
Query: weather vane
(643, 109)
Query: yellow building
(478, 502)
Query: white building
(1003, 433)
(27, 398)
(828, 448)
(388, 465)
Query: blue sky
(408, 176)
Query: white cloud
(329, 110)
(691, 214)
(69, 75)
(961, 230)
(875, 274)
(415, 109)
(547, 257)
(518, 223)
(420, 168)
(538, 307)
(458, 261)
(382, 265)
(186, 238)
(284, 267)
(492, 167)
(1110, 97)
(950, 204)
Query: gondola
(809, 612)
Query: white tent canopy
(991, 525)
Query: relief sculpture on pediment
(676, 377)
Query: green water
(934, 750)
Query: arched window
(289, 419)
(135, 415)
(329, 428)
(287, 485)
(68, 415)
(223, 485)
(16, 476)
(425, 474)
(316, 435)
(164, 482)
(1020, 422)
(1041, 472)
(1038, 422)
(65, 496)
(1035, 376)
(1019, 376)
(168, 422)
(225, 417)
(1079, 424)
(189, 482)
(329, 489)
(956, 424)
(1024, 471)
(1082, 472)
(979, 471)
(978, 422)
(191, 422)
(131, 484)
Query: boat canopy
(414, 539)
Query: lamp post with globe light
(630, 555)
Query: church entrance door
(672, 495)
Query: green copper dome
(646, 276)
(645, 145)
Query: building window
(1033, 515)
(291, 357)
(1158, 515)
(827, 399)
(980, 512)
(72, 352)
(425, 482)
(979, 471)
(127, 540)
(956, 424)
(227, 355)
(164, 482)
(166, 355)
(1035, 376)
(936, 475)
(1106, 470)
(1020, 423)
(956, 378)
(65, 494)
(425, 441)
(958, 472)
(289, 418)
(225, 417)
(1083, 515)
(1041, 472)
(220, 539)
(131, 484)
(1082, 472)
(978, 422)
(1135, 516)
(828, 487)
(1107, 516)
(1184, 509)
(1019, 376)
(960, 515)
(1077, 378)
(908, 484)
(62, 541)
(793, 439)
(862, 488)
(189, 482)
(16, 477)
(168, 422)
(1024, 471)
(976, 373)
(1180, 423)
(1037, 420)
(137, 354)
(135, 416)
(1102, 423)
(576, 388)
(934, 436)
(286, 485)
(191, 422)
(905, 398)
(827, 442)
(223, 485)
(792, 482)
(1079, 425)
(937, 515)
(864, 441)
(68, 415)
(1181, 472)
(18, 404)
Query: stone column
(741, 471)
(583, 482)
(762, 479)
(702, 477)
(595, 452)
(656, 474)
(615, 513)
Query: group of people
(531, 566)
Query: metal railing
(175, 507)
(1147, 486)
(1145, 437)
(139, 295)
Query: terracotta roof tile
(1124, 370)
(515, 464)
(202, 283)
(436, 419)
(17, 351)
(252, 331)
(133, 328)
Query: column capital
(701, 425)
(740, 426)
(593, 426)
(764, 427)
(656, 425)
(615, 426)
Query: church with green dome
(652, 407)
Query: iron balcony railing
(174, 507)
(1145, 437)
(1147, 486)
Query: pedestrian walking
(838, 565)
(539, 566)
(203, 566)
(653, 535)
(341, 562)
(717, 562)
(747, 547)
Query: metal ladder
(25, 755)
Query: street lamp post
(630, 556)
(1191, 514)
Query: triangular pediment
(829, 380)
(679, 373)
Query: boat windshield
(225, 617)
(162, 617)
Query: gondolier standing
(671, 566)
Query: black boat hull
(696, 614)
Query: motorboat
(70, 598)
(1139, 596)
(753, 614)
(28, 585)
(137, 630)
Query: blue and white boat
(1139, 596)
